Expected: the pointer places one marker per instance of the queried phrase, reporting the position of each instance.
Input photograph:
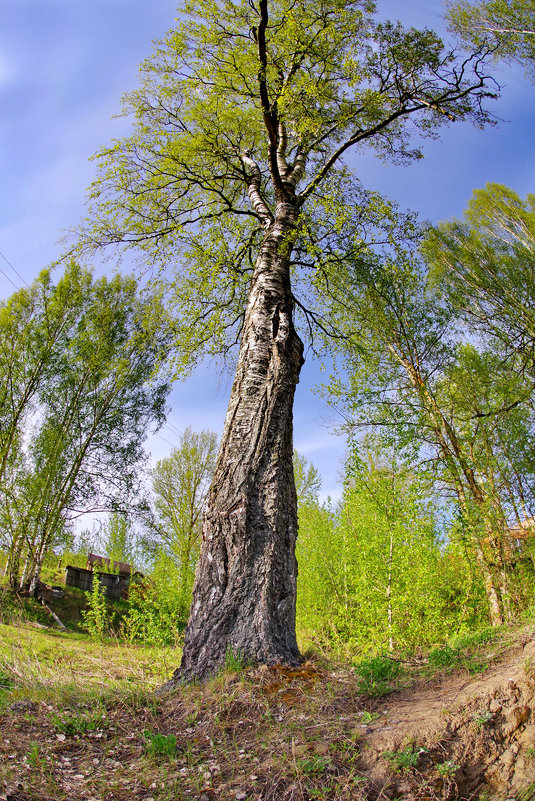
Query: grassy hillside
(79, 720)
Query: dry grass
(80, 722)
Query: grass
(47, 664)
(377, 675)
(160, 745)
(470, 651)
(74, 708)
(80, 720)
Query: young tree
(247, 111)
(119, 540)
(180, 484)
(35, 325)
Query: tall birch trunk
(244, 594)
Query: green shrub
(152, 617)
(444, 656)
(376, 674)
(161, 745)
(96, 617)
(404, 761)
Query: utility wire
(14, 270)
(9, 279)
(165, 440)
(173, 428)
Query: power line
(14, 270)
(164, 439)
(9, 279)
(173, 428)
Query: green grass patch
(160, 745)
(377, 674)
(41, 663)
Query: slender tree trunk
(491, 591)
(38, 564)
(245, 589)
(14, 564)
(389, 591)
(25, 578)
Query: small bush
(404, 761)
(447, 769)
(96, 618)
(376, 675)
(152, 618)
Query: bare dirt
(481, 729)
(278, 734)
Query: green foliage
(235, 662)
(462, 411)
(98, 381)
(444, 656)
(153, 614)
(374, 575)
(119, 545)
(369, 717)
(464, 651)
(447, 769)
(96, 618)
(508, 25)
(483, 263)
(34, 757)
(313, 765)
(406, 760)
(180, 484)
(240, 105)
(482, 719)
(377, 674)
(6, 682)
(78, 721)
(160, 745)
(307, 480)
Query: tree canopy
(243, 104)
(507, 25)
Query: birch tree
(509, 25)
(245, 120)
(92, 408)
(180, 484)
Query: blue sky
(64, 65)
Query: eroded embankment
(474, 735)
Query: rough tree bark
(245, 588)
